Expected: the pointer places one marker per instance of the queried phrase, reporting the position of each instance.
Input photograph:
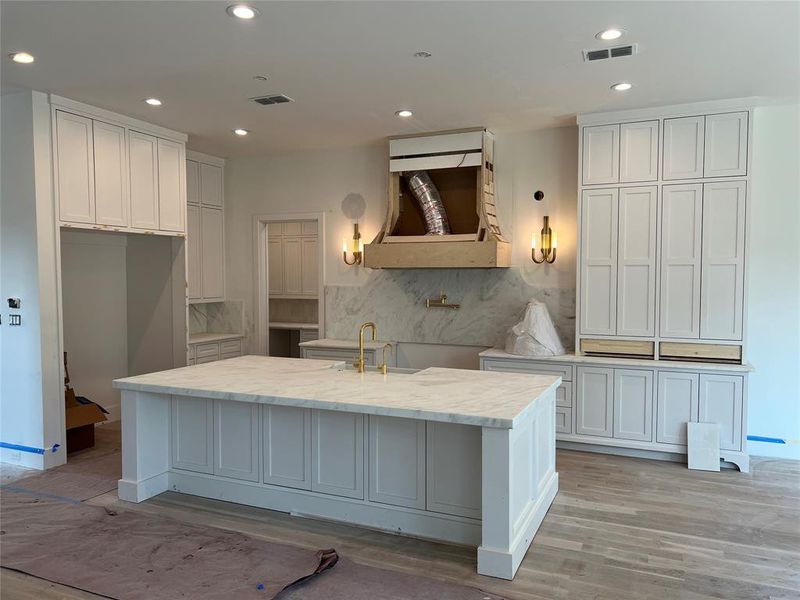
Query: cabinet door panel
(236, 440)
(143, 160)
(308, 270)
(337, 460)
(683, 148)
(211, 185)
(212, 253)
(192, 434)
(726, 145)
(75, 168)
(171, 196)
(601, 154)
(193, 252)
(633, 405)
(636, 271)
(287, 446)
(192, 182)
(397, 461)
(638, 151)
(454, 469)
(595, 401)
(681, 230)
(677, 401)
(292, 265)
(599, 223)
(110, 175)
(722, 288)
(721, 399)
(275, 262)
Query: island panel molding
(275, 433)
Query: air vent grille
(272, 99)
(615, 52)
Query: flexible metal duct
(426, 194)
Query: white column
(145, 445)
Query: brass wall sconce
(549, 242)
(358, 248)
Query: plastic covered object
(535, 334)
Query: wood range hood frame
(462, 167)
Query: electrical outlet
(15, 319)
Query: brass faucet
(359, 364)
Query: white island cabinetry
(476, 466)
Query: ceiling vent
(615, 52)
(272, 99)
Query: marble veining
(492, 300)
(482, 398)
(216, 317)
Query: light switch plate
(703, 446)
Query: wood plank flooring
(620, 528)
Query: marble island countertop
(482, 398)
(347, 344)
(292, 325)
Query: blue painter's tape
(30, 449)
(758, 438)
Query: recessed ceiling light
(622, 86)
(153, 101)
(242, 11)
(610, 34)
(22, 57)
(404, 114)
(240, 131)
(422, 54)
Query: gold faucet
(359, 364)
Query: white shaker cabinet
(210, 185)
(275, 265)
(236, 452)
(212, 254)
(638, 152)
(722, 286)
(191, 451)
(600, 154)
(193, 251)
(722, 401)
(192, 182)
(633, 404)
(171, 194)
(681, 255)
(337, 446)
(292, 265)
(292, 255)
(75, 168)
(143, 156)
(677, 404)
(684, 141)
(636, 261)
(595, 401)
(598, 270)
(110, 174)
(397, 461)
(287, 446)
(453, 479)
(308, 267)
(725, 145)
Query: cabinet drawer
(564, 394)
(308, 335)
(206, 359)
(563, 420)
(229, 355)
(229, 346)
(206, 350)
(535, 368)
(191, 351)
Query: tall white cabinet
(205, 236)
(293, 256)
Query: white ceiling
(349, 65)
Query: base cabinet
(287, 446)
(633, 405)
(454, 469)
(397, 461)
(677, 406)
(236, 452)
(595, 401)
(192, 434)
(721, 401)
(337, 447)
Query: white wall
(31, 398)
(94, 309)
(773, 316)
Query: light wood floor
(619, 529)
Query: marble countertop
(347, 344)
(617, 362)
(482, 398)
(202, 338)
(290, 325)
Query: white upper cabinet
(210, 185)
(726, 145)
(600, 154)
(683, 148)
(110, 175)
(638, 152)
(292, 254)
(192, 182)
(75, 168)
(143, 153)
(292, 265)
(171, 197)
(636, 270)
(275, 265)
(212, 254)
(308, 269)
(722, 288)
(193, 252)
(599, 223)
(681, 231)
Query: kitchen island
(455, 455)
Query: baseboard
(138, 491)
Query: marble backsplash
(293, 310)
(216, 317)
(492, 300)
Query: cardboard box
(81, 416)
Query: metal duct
(426, 194)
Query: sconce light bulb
(554, 242)
(344, 245)
(533, 242)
